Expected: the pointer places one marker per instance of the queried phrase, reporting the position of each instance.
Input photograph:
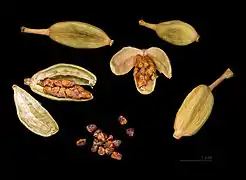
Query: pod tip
(198, 38)
(27, 81)
(14, 86)
(22, 28)
(141, 22)
(111, 42)
(177, 135)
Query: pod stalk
(35, 31)
(148, 25)
(226, 75)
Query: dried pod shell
(32, 115)
(124, 60)
(74, 34)
(71, 72)
(175, 32)
(196, 108)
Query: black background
(152, 116)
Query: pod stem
(148, 25)
(177, 134)
(35, 31)
(27, 81)
(226, 75)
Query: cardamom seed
(74, 34)
(196, 108)
(146, 63)
(175, 32)
(62, 82)
(32, 114)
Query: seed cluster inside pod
(144, 71)
(64, 89)
(146, 63)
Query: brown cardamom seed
(196, 108)
(74, 34)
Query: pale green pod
(124, 60)
(196, 108)
(175, 32)
(75, 73)
(32, 114)
(74, 34)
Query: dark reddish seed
(96, 142)
(81, 142)
(110, 137)
(101, 137)
(109, 151)
(130, 131)
(109, 144)
(101, 151)
(122, 120)
(94, 148)
(97, 132)
(117, 143)
(91, 127)
(116, 155)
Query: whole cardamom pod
(74, 34)
(175, 32)
(32, 114)
(196, 108)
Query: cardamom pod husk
(196, 108)
(175, 32)
(74, 34)
(32, 114)
(146, 62)
(76, 77)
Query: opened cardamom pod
(175, 32)
(146, 63)
(62, 82)
(32, 115)
(74, 34)
(196, 108)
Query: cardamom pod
(196, 108)
(146, 63)
(175, 32)
(32, 114)
(62, 82)
(74, 34)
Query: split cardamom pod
(62, 82)
(175, 32)
(196, 108)
(32, 114)
(74, 34)
(146, 63)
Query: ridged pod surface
(175, 32)
(32, 114)
(74, 34)
(196, 108)
(71, 72)
(146, 62)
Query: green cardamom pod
(175, 32)
(146, 63)
(32, 115)
(62, 82)
(74, 34)
(196, 108)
